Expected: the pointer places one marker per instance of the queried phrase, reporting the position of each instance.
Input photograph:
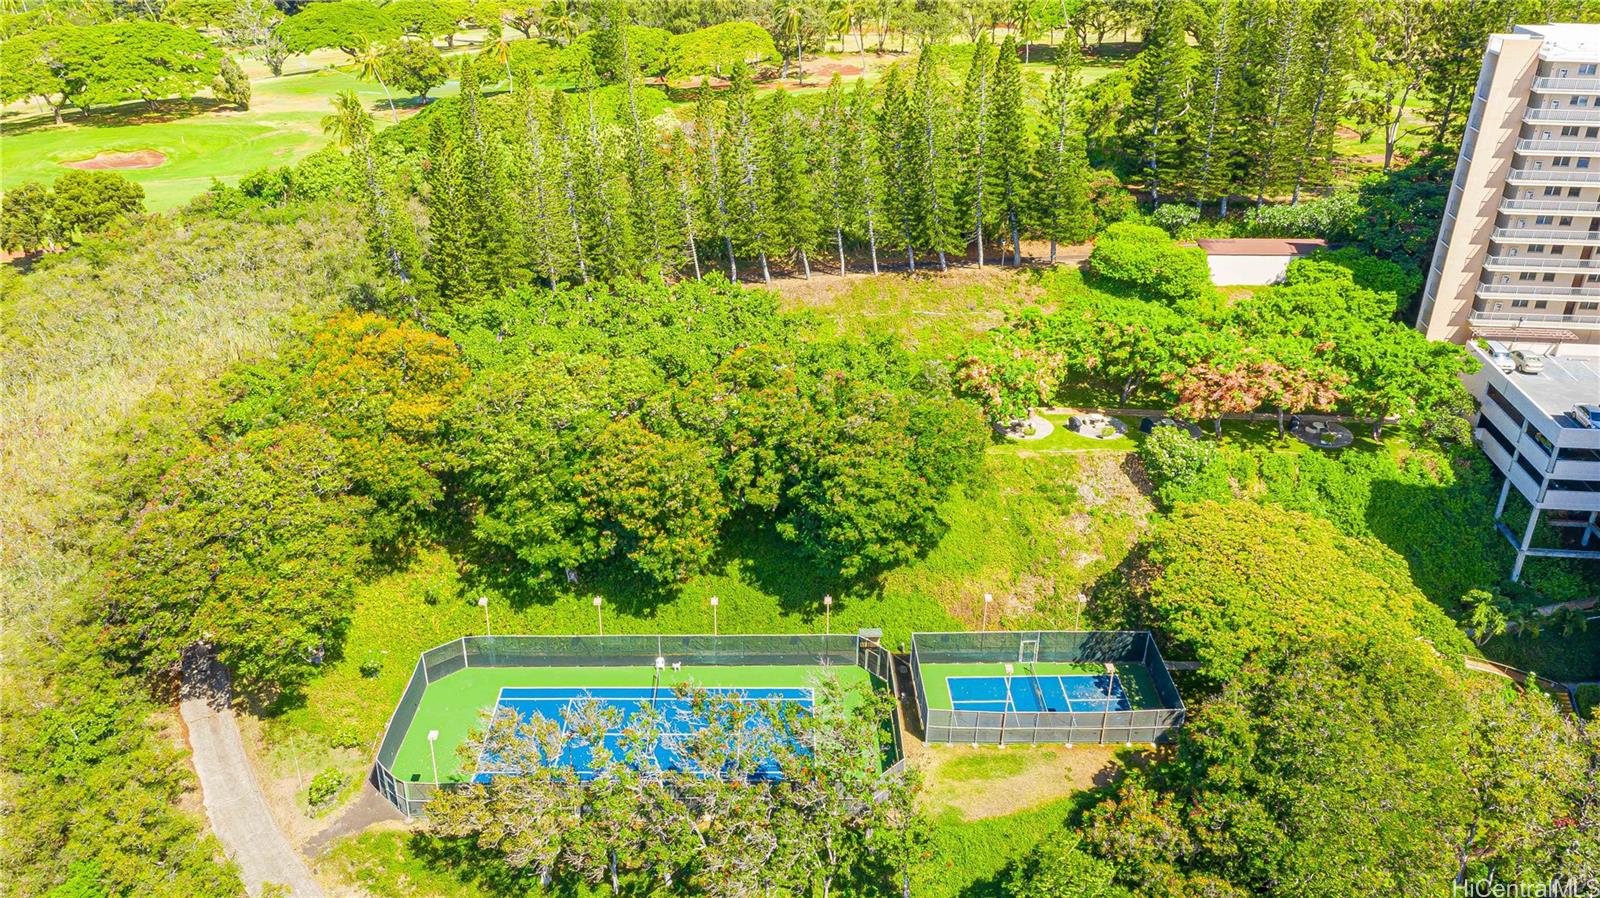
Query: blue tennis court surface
(677, 714)
(1030, 694)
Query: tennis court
(676, 716)
(1025, 686)
(1061, 693)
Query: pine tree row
(920, 166)
(1241, 98)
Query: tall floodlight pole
(988, 600)
(827, 615)
(433, 736)
(483, 602)
(713, 615)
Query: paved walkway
(368, 809)
(233, 799)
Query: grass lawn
(1031, 531)
(456, 703)
(200, 139)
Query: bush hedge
(1147, 259)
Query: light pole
(433, 736)
(713, 615)
(599, 621)
(987, 601)
(483, 602)
(827, 615)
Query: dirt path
(233, 799)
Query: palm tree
(559, 22)
(349, 124)
(844, 15)
(791, 15)
(500, 49)
(369, 64)
(1571, 621)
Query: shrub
(371, 667)
(1364, 270)
(1183, 468)
(1174, 217)
(1332, 217)
(324, 787)
(1588, 699)
(88, 201)
(1148, 260)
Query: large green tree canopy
(1345, 749)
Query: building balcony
(1553, 176)
(1567, 236)
(1571, 500)
(1530, 291)
(1574, 207)
(1513, 318)
(1570, 115)
(1566, 85)
(1541, 263)
(1537, 145)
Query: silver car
(1527, 362)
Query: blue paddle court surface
(680, 719)
(1034, 694)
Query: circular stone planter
(1033, 427)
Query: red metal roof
(1261, 246)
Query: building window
(1588, 306)
(1591, 132)
(1583, 162)
(1540, 304)
(1566, 221)
(1549, 278)
(1587, 68)
(1574, 191)
(1530, 276)
(1557, 250)
(1569, 131)
(1536, 247)
(1519, 304)
(1593, 279)
(1560, 161)
(1579, 101)
(1543, 219)
(1552, 191)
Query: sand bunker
(121, 161)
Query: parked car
(1527, 362)
(1500, 356)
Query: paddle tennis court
(1043, 686)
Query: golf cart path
(233, 798)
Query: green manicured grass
(1136, 680)
(201, 139)
(455, 704)
(1062, 438)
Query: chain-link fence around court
(745, 650)
(1156, 712)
